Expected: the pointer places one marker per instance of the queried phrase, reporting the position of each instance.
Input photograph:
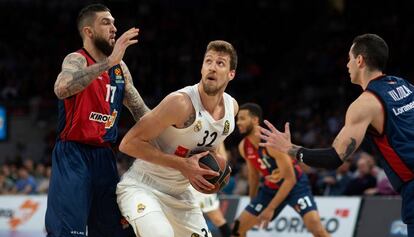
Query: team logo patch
(226, 127)
(198, 126)
(195, 235)
(140, 208)
(107, 119)
(118, 73)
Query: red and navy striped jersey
(396, 143)
(264, 163)
(91, 116)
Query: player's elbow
(124, 146)
(60, 92)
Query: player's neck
(368, 76)
(94, 52)
(254, 139)
(210, 103)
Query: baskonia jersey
(396, 143)
(91, 116)
(205, 133)
(264, 163)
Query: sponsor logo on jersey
(181, 151)
(140, 208)
(198, 126)
(107, 119)
(226, 127)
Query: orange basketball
(218, 164)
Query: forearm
(284, 189)
(72, 82)
(321, 158)
(135, 103)
(146, 151)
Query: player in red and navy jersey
(385, 110)
(92, 87)
(274, 180)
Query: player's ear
(360, 60)
(232, 74)
(87, 31)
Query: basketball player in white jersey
(154, 194)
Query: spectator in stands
(334, 183)
(43, 184)
(364, 180)
(25, 184)
(6, 184)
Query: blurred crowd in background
(292, 62)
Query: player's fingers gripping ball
(218, 164)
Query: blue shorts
(81, 199)
(300, 198)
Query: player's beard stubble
(103, 45)
(248, 131)
(212, 90)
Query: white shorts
(136, 199)
(207, 202)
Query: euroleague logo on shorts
(107, 119)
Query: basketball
(219, 164)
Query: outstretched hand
(274, 138)
(195, 173)
(121, 44)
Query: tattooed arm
(361, 113)
(133, 100)
(76, 76)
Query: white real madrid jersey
(205, 133)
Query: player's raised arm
(360, 114)
(76, 75)
(133, 100)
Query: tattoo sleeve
(133, 100)
(76, 76)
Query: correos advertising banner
(338, 216)
(22, 215)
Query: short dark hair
(373, 49)
(224, 47)
(87, 15)
(254, 110)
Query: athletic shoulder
(177, 106)
(74, 60)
